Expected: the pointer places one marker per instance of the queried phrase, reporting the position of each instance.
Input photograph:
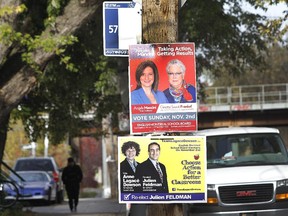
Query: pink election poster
(163, 93)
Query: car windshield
(245, 150)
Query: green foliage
(7, 33)
(271, 30)
(17, 138)
(65, 96)
(226, 36)
(7, 11)
(275, 71)
(216, 27)
(54, 9)
(30, 42)
(107, 83)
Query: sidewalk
(88, 206)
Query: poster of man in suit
(168, 169)
(151, 173)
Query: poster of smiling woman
(163, 95)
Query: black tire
(9, 194)
(59, 197)
(49, 201)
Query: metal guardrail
(249, 97)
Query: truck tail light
(55, 176)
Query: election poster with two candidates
(162, 169)
(162, 88)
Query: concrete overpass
(253, 105)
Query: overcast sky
(274, 11)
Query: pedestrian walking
(71, 177)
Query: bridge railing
(246, 95)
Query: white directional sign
(121, 27)
(182, 2)
(29, 146)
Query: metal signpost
(121, 27)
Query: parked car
(37, 185)
(47, 164)
(247, 173)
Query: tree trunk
(17, 79)
(160, 25)
(3, 135)
(160, 21)
(165, 209)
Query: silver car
(46, 164)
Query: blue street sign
(121, 27)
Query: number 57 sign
(121, 27)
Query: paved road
(91, 206)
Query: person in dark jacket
(71, 177)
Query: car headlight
(46, 187)
(211, 194)
(283, 182)
(282, 190)
(211, 187)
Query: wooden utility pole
(160, 21)
(160, 25)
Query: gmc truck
(247, 173)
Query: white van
(247, 173)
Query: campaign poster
(162, 169)
(163, 95)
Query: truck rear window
(42, 165)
